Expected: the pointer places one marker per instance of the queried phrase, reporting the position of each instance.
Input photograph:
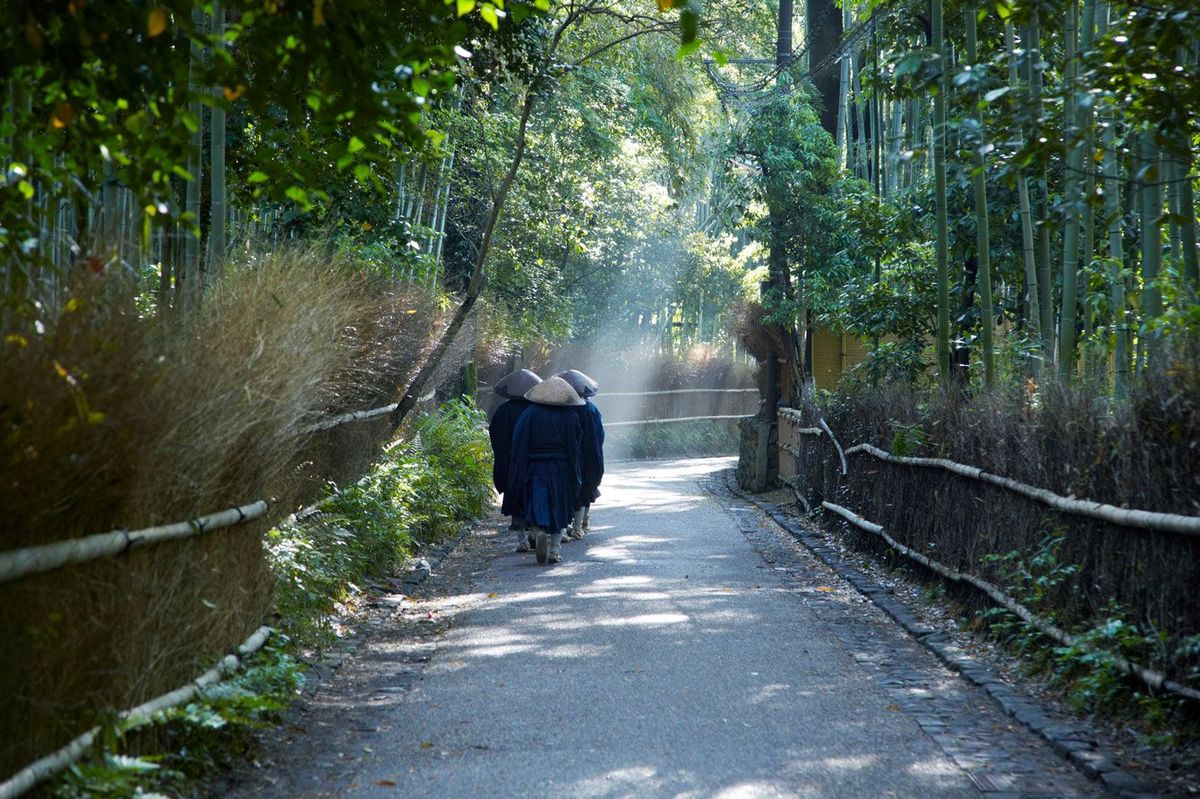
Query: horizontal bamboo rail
(664, 421)
(39, 770)
(19, 563)
(1126, 517)
(1154, 679)
(677, 391)
(353, 416)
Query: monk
(592, 466)
(545, 466)
(511, 389)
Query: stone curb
(1073, 744)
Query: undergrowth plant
(1088, 671)
(421, 492)
(182, 745)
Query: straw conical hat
(554, 391)
(515, 384)
(584, 386)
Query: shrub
(421, 492)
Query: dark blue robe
(592, 453)
(544, 470)
(500, 431)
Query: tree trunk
(475, 287)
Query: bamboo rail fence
(39, 770)
(19, 563)
(1150, 677)
(1126, 517)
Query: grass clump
(421, 492)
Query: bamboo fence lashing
(39, 770)
(1154, 679)
(1126, 517)
(48, 557)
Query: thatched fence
(50, 560)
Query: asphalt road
(662, 658)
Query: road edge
(1070, 743)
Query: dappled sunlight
(645, 620)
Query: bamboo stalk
(1116, 245)
(982, 232)
(1125, 517)
(19, 563)
(1154, 679)
(39, 770)
(1074, 157)
(217, 240)
(939, 176)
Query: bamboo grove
(1055, 144)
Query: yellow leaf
(427, 744)
(824, 588)
(319, 20)
(665, 5)
(465, 7)
(493, 595)
(18, 339)
(232, 94)
(61, 370)
(63, 115)
(488, 12)
(156, 21)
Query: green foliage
(421, 492)
(1089, 670)
(186, 744)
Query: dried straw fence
(43, 559)
(962, 513)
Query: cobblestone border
(1072, 743)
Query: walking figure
(592, 466)
(511, 388)
(545, 466)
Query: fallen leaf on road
(824, 588)
(893, 708)
(493, 595)
(427, 744)
(385, 783)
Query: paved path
(666, 657)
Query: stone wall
(758, 459)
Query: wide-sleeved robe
(544, 470)
(591, 453)
(500, 431)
